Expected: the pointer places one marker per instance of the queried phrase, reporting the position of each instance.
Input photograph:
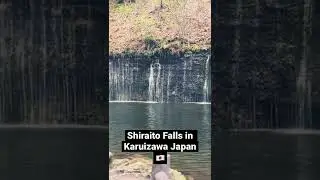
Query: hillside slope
(144, 26)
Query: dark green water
(51, 153)
(125, 116)
(269, 154)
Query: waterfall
(158, 83)
(121, 81)
(122, 87)
(155, 89)
(303, 83)
(183, 80)
(110, 79)
(162, 87)
(131, 82)
(168, 84)
(205, 84)
(151, 83)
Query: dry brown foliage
(179, 25)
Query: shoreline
(137, 167)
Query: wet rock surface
(175, 80)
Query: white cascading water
(162, 87)
(131, 81)
(205, 84)
(168, 85)
(121, 78)
(155, 85)
(166, 82)
(122, 89)
(151, 83)
(184, 79)
(158, 83)
(110, 79)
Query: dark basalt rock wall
(173, 80)
(258, 49)
(52, 60)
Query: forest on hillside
(266, 68)
(51, 64)
(159, 26)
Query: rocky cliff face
(260, 47)
(50, 59)
(185, 79)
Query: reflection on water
(266, 155)
(125, 116)
(303, 156)
(52, 152)
(153, 121)
(206, 121)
